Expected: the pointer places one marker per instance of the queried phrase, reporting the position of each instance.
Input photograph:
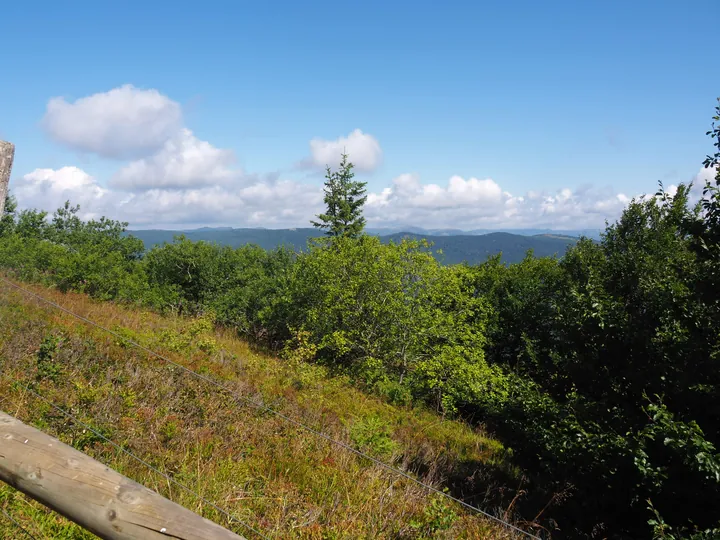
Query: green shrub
(48, 367)
(373, 435)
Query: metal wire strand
(265, 408)
(16, 523)
(231, 517)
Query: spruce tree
(344, 198)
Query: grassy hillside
(455, 248)
(284, 481)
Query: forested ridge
(598, 369)
(448, 249)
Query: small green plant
(87, 438)
(300, 348)
(196, 333)
(169, 430)
(201, 325)
(207, 344)
(124, 336)
(298, 352)
(437, 516)
(372, 434)
(88, 394)
(395, 392)
(129, 398)
(46, 357)
(172, 340)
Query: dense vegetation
(599, 369)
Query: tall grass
(277, 477)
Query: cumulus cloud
(47, 189)
(175, 180)
(258, 205)
(125, 122)
(363, 150)
(706, 174)
(479, 204)
(256, 202)
(459, 193)
(183, 162)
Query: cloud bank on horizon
(167, 177)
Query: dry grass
(282, 480)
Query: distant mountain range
(456, 246)
(575, 233)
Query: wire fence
(261, 406)
(17, 524)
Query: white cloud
(259, 202)
(177, 180)
(183, 162)
(363, 151)
(459, 193)
(48, 189)
(255, 201)
(266, 202)
(479, 204)
(125, 122)
(706, 174)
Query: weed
(46, 357)
(437, 516)
(372, 434)
(169, 430)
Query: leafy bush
(373, 435)
(46, 359)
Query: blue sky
(560, 111)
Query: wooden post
(7, 153)
(91, 494)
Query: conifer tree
(344, 198)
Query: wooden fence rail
(92, 495)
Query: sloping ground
(276, 477)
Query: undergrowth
(282, 480)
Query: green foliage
(7, 220)
(237, 285)
(392, 313)
(663, 531)
(48, 366)
(437, 517)
(193, 336)
(169, 430)
(86, 438)
(93, 257)
(372, 434)
(344, 198)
